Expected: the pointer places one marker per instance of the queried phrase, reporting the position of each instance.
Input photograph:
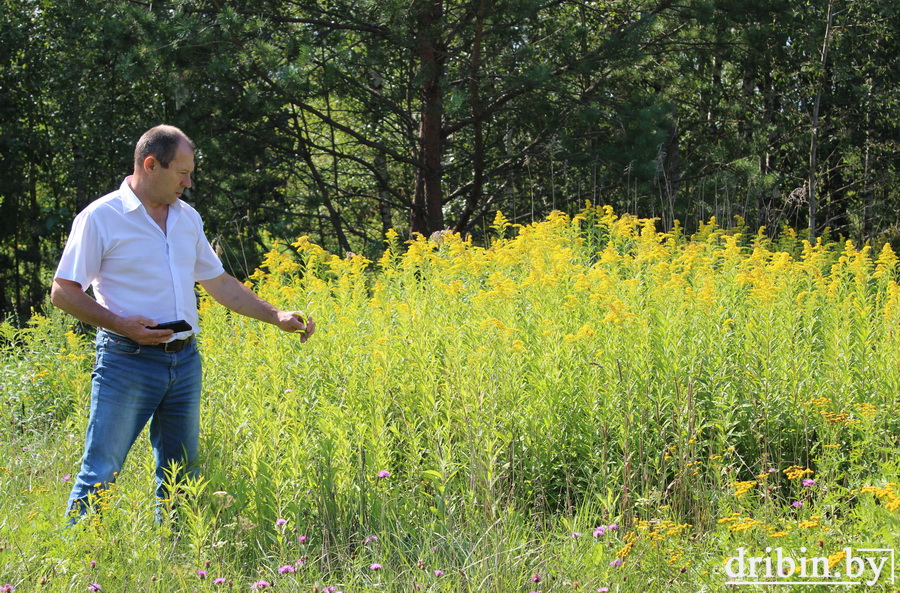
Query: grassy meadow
(585, 405)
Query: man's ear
(150, 163)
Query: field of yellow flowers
(584, 404)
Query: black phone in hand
(176, 326)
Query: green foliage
(482, 412)
(308, 116)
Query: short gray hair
(160, 142)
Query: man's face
(170, 182)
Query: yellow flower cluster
(887, 493)
(738, 523)
(818, 402)
(837, 417)
(742, 488)
(796, 472)
(810, 523)
(631, 539)
(866, 409)
(658, 530)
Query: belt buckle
(176, 345)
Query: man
(142, 249)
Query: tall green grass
(480, 412)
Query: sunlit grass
(477, 418)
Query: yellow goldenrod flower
(742, 488)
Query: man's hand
(69, 296)
(137, 328)
(297, 321)
(240, 299)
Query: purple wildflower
(65, 478)
(576, 534)
(201, 574)
(616, 562)
(94, 587)
(218, 581)
(7, 588)
(797, 504)
(260, 585)
(439, 573)
(301, 539)
(287, 568)
(613, 527)
(279, 522)
(384, 474)
(599, 531)
(603, 590)
(375, 566)
(536, 578)
(809, 482)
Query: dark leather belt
(173, 346)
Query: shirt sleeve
(83, 253)
(208, 265)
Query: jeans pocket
(120, 345)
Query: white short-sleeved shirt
(133, 266)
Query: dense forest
(342, 119)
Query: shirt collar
(131, 202)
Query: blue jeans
(130, 385)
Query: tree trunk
(428, 214)
(868, 199)
(477, 192)
(381, 166)
(814, 132)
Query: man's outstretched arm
(226, 289)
